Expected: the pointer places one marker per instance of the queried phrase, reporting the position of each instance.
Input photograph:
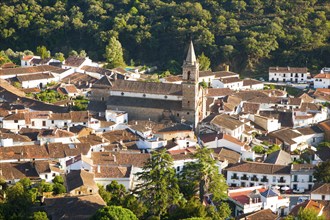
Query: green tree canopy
(322, 172)
(114, 54)
(204, 62)
(306, 214)
(40, 216)
(42, 52)
(159, 189)
(59, 56)
(114, 213)
(203, 177)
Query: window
(102, 98)
(178, 169)
(65, 123)
(165, 97)
(43, 123)
(122, 93)
(46, 176)
(15, 121)
(144, 95)
(52, 121)
(90, 190)
(187, 113)
(323, 197)
(188, 74)
(33, 123)
(177, 114)
(274, 179)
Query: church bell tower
(190, 87)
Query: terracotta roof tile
(28, 70)
(288, 69)
(262, 168)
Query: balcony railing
(234, 177)
(244, 178)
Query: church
(155, 101)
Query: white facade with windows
(288, 74)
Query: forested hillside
(242, 33)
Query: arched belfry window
(188, 75)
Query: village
(103, 124)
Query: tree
(59, 56)
(58, 189)
(192, 208)
(203, 84)
(106, 196)
(82, 53)
(306, 214)
(273, 149)
(118, 193)
(323, 144)
(202, 176)
(43, 52)
(204, 62)
(259, 149)
(159, 189)
(39, 216)
(322, 172)
(114, 53)
(114, 212)
(73, 53)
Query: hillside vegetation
(249, 35)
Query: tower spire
(191, 57)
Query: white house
(77, 63)
(47, 170)
(216, 140)
(57, 136)
(248, 174)
(233, 83)
(251, 199)
(252, 84)
(321, 191)
(302, 177)
(288, 74)
(104, 175)
(26, 60)
(119, 117)
(322, 80)
(36, 80)
(228, 125)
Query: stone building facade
(183, 102)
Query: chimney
(227, 68)
(99, 168)
(277, 68)
(288, 68)
(114, 158)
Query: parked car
(302, 199)
(300, 190)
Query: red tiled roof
(322, 76)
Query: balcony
(264, 180)
(281, 180)
(244, 178)
(254, 179)
(234, 177)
